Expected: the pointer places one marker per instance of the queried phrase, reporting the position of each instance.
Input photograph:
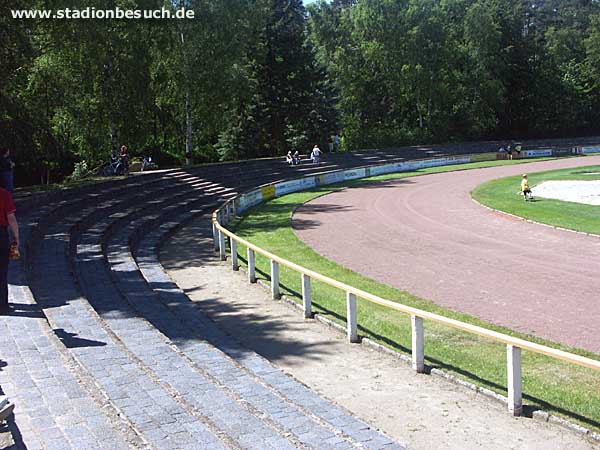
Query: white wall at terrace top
(294, 185)
(588, 150)
(248, 200)
(538, 153)
(256, 196)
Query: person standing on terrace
(7, 220)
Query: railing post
(352, 330)
(275, 280)
(251, 266)
(215, 236)
(515, 388)
(222, 249)
(234, 255)
(306, 296)
(418, 344)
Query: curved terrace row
(103, 351)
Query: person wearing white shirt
(315, 155)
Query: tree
(285, 104)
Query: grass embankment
(503, 194)
(554, 386)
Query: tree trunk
(106, 86)
(113, 134)
(188, 107)
(188, 119)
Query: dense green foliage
(239, 80)
(251, 78)
(440, 70)
(503, 194)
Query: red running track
(426, 235)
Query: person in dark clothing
(6, 170)
(125, 159)
(7, 220)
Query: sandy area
(423, 411)
(578, 191)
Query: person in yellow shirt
(525, 188)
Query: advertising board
(589, 150)
(354, 173)
(378, 170)
(483, 157)
(536, 153)
(250, 199)
(294, 186)
(563, 151)
(330, 178)
(268, 192)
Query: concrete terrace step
(56, 406)
(133, 287)
(28, 203)
(116, 354)
(266, 402)
(263, 385)
(161, 381)
(138, 204)
(158, 356)
(149, 407)
(112, 354)
(49, 213)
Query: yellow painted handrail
(513, 345)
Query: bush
(80, 171)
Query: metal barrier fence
(513, 345)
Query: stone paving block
(260, 367)
(56, 444)
(76, 318)
(42, 423)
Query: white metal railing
(513, 345)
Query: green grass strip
(504, 194)
(554, 386)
